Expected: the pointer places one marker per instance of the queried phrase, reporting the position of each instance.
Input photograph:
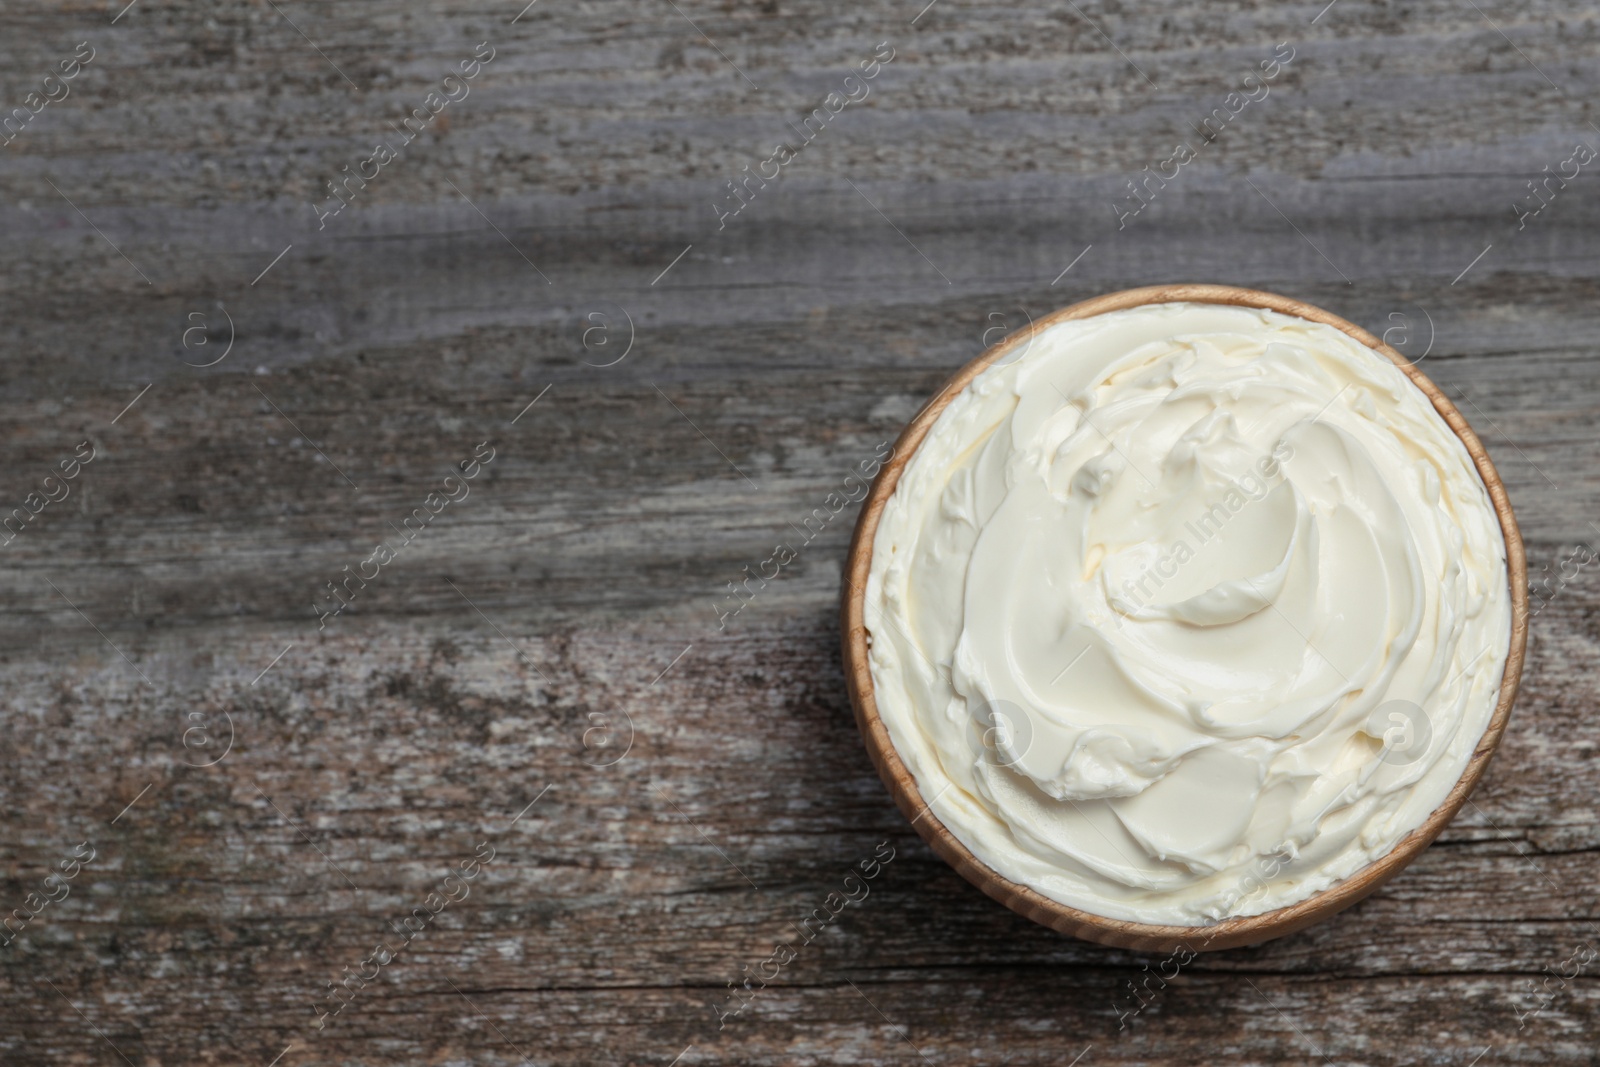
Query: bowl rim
(1120, 933)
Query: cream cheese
(1187, 611)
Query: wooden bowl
(1229, 933)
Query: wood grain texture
(596, 548)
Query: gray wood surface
(567, 609)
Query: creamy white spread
(1187, 611)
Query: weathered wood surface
(477, 672)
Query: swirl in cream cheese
(1187, 611)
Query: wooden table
(545, 673)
